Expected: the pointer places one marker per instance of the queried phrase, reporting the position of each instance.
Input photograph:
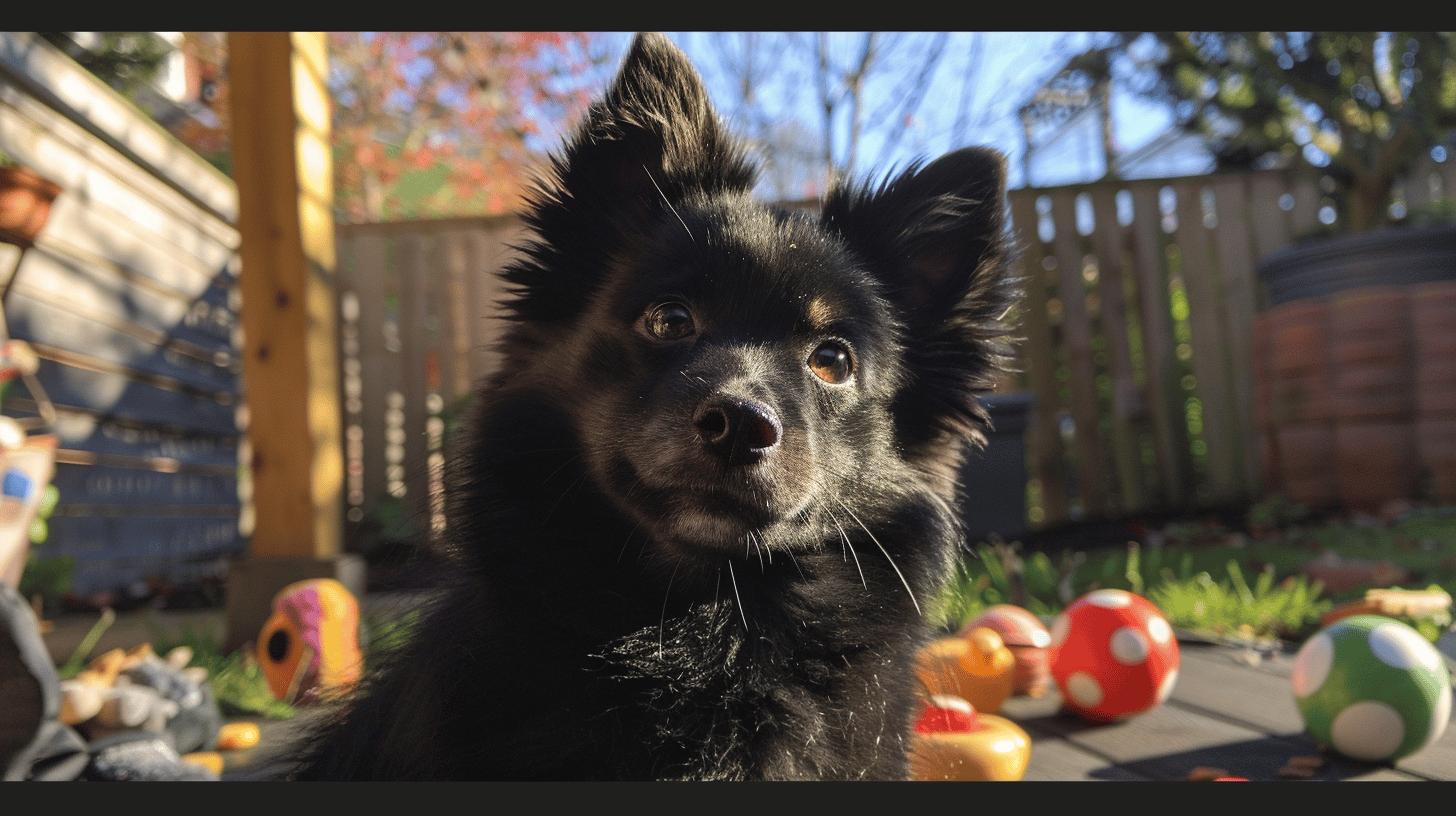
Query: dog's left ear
(935, 237)
(651, 141)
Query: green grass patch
(1209, 579)
(237, 681)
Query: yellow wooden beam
(283, 171)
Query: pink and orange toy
(309, 649)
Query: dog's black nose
(740, 431)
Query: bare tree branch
(919, 84)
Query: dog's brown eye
(668, 321)
(831, 363)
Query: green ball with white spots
(1372, 688)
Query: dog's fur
(626, 606)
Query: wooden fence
(128, 298)
(1137, 324)
(417, 320)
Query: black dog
(708, 495)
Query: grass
(1194, 600)
(1199, 572)
(1231, 607)
(237, 681)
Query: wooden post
(281, 160)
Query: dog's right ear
(650, 141)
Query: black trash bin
(993, 497)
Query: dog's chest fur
(560, 653)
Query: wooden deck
(1224, 713)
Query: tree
(863, 87)
(125, 60)
(443, 123)
(1361, 106)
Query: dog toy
(138, 690)
(1027, 639)
(309, 648)
(954, 742)
(1114, 655)
(238, 736)
(210, 760)
(976, 667)
(1372, 688)
(1393, 603)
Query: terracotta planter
(1359, 370)
(25, 204)
(1401, 256)
(1298, 368)
(1307, 463)
(1433, 322)
(1370, 346)
(1375, 462)
(1438, 456)
(1299, 336)
(1436, 386)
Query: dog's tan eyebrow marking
(819, 313)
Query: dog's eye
(668, 321)
(831, 362)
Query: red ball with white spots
(1113, 655)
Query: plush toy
(1027, 639)
(954, 742)
(309, 648)
(977, 667)
(1114, 655)
(1372, 688)
(104, 698)
(138, 690)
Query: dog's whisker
(557, 503)
(734, 579)
(796, 564)
(560, 468)
(886, 552)
(662, 617)
(845, 538)
(630, 535)
(669, 204)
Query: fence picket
(1126, 398)
(1165, 401)
(413, 340)
(1305, 215)
(1270, 224)
(1236, 262)
(1077, 333)
(377, 367)
(1210, 342)
(1045, 440)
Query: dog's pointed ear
(652, 140)
(935, 237)
(653, 136)
(927, 231)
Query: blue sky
(1010, 66)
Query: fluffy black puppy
(708, 495)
